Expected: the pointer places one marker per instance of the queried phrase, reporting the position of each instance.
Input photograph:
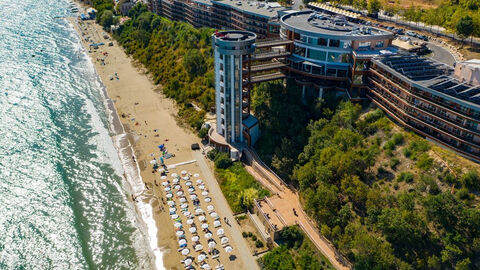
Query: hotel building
(425, 97)
(261, 18)
(331, 52)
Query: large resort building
(325, 51)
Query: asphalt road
(441, 54)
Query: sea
(64, 187)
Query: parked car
(404, 38)
(399, 31)
(411, 33)
(422, 37)
(390, 28)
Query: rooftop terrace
(317, 23)
(431, 75)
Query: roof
(250, 121)
(332, 9)
(267, 10)
(314, 23)
(432, 76)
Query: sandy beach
(148, 120)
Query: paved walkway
(243, 253)
(284, 201)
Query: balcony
(265, 78)
(264, 67)
(266, 56)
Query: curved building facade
(231, 48)
(330, 51)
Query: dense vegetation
(176, 55)
(413, 221)
(283, 118)
(295, 252)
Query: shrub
(424, 162)
(258, 244)
(203, 133)
(405, 176)
(396, 186)
(223, 161)
(394, 162)
(471, 180)
(212, 154)
(244, 234)
(249, 234)
(254, 237)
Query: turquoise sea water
(63, 200)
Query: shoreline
(132, 176)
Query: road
(441, 54)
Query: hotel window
(322, 42)
(222, 90)
(221, 78)
(345, 44)
(317, 55)
(303, 38)
(221, 66)
(312, 41)
(334, 43)
(338, 57)
(379, 44)
(364, 45)
(300, 51)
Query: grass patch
(239, 187)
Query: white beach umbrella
(224, 240)
(182, 242)
(187, 262)
(208, 235)
(202, 187)
(171, 203)
(189, 221)
(169, 195)
(164, 183)
(204, 226)
(182, 200)
(174, 175)
(177, 224)
(186, 178)
(196, 175)
(212, 244)
(163, 177)
(192, 229)
(183, 172)
(191, 189)
(185, 251)
(195, 238)
(153, 161)
(174, 216)
(184, 205)
(198, 211)
(167, 189)
(193, 197)
(205, 193)
(201, 218)
(179, 193)
(175, 181)
(199, 181)
(198, 247)
(188, 183)
(208, 199)
(206, 266)
(220, 231)
(179, 233)
(210, 207)
(201, 257)
(228, 249)
(186, 213)
(177, 187)
(214, 215)
(216, 223)
(173, 209)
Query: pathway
(284, 201)
(224, 210)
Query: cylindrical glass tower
(231, 49)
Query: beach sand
(143, 109)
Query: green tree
(465, 27)
(222, 160)
(374, 6)
(106, 20)
(278, 259)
